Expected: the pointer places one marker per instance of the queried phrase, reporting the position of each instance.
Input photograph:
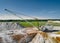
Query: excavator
(30, 36)
(46, 28)
(23, 18)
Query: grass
(35, 23)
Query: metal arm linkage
(20, 17)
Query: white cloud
(44, 14)
(13, 17)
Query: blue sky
(39, 8)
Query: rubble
(29, 36)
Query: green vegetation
(35, 23)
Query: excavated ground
(28, 35)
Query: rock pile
(28, 36)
